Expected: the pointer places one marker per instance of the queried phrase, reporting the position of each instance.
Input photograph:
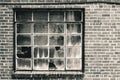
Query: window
(48, 39)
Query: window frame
(58, 9)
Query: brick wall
(57, 1)
(102, 40)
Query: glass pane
(40, 52)
(57, 16)
(73, 28)
(56, 64)
(70, 64)
(23, 64)
(41, 28)
(73, 16)
(56, 52)
(56, 28)
(24, 16)
(41, 40)
(40, 64)
(78, 15)
(23, 40)
(41, 16)
(23, 28)
(74, 52)
(77, 63)
(73, 40)
(73, 64)
(56, 40)
(24, 52)
(70, 16)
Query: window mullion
(16, 44)
(65, 40)
(32, 43)
(81, 44)
(48, 39)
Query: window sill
(38, 74)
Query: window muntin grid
(49, 40)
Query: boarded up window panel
(73, 28)
(41, 40)
(73, 16)
(74, 52)
(74, 64)
(56, 64)
(56, 28)
(56, 16)
(41, 28)
(56, 40)
(23, 40)
(24, 16)
(23, 64)
(40, 52)
(24, 52)
(73, 40)
(41, 16)
(41, 64)
(56, 52)
(23, 28)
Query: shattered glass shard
(56, 52)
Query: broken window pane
(56, 40)
(56, 64)
(73, 28)
(23, 28)
(24, 52)
(74, 52)
(56, 28)
(23, 40)
(40, 52)
(41, 28)
(40, 64)
(57, 16)
(23, 16)
(56, 52)
(40, 16)
(23, 64)
(74, 64)
(41, 40)
(73, 16)
(73, 40)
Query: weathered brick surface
(6, 40)
(102, 40)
